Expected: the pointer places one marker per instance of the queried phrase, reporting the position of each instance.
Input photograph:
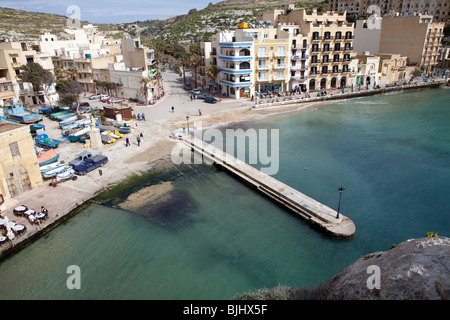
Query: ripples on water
(214, 238)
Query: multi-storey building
(287, 50)
(13, 55)
(328, 38)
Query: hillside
(200, 25)
(21, 24)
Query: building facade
(19, 168)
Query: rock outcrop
(417, 269)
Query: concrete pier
(309, 209)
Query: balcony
(298, 68)
(326, 61)
(326, 49)
(265, 67)
(302, 57)
(298, 78)
(280, 54)
(315, 39)
(330, 38)
(316, 49)
(317, 61)
(348, 48)
(264, 54)
(280, 66)
(263, 79)
(280, 78)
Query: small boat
(106, 137)
(68, 118)
(51, 166)
(36, 126)
(54, 172)
(122, 130)
(48, 157)
(17, 113)
(42, 110)
(114, 134)
(59, 114)
(75, 136)
(65, 175)
(73, 124)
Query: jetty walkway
(309, 209)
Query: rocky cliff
(417, 269)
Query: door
(18, 181)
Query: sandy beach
(153, 153)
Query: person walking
(173, 109)
(143, 116)
(138, 138)
(139, 117)
(199, 112)
(141, 136)
(127, 142)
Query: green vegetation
(431, 235)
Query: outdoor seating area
(31, 215)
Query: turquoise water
(218, 238)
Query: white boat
(68, 174)
(56, 171)
(51, 166)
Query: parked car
(81, 157)
(106, 99)
(90, 164)
(84, 104)
(95, 96)
(115, 100)
(196, 91)
(204, 96)
(211, 100)
(103, 96)
(187, 86)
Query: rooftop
(6, 126)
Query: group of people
(140, 117)
(139, 140)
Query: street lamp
(341, 191)
(187, 120)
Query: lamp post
(187, 121)
(341, 191)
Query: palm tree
(184, 58)
(195, 62)
(213, 72)
(72, 72)
(144, 87)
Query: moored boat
(47, 157)
(54, 172)
(17, 113)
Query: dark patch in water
(172, 212)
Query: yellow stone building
(19, 168)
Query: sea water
(217, 238)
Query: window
(280, 62)
(262, 51)
(281, 50)
(262, 75)
(14, 147)
(280, 74)
(262, 63)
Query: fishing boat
(75, 136)
(54, 172)
(72, 124)
(67, 174)
(59, 114)
(48, 157)
(16, 112)
(66, 117)
(51, 166)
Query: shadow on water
(173, 210)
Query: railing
(266, 67)
(298, 67)
(280, 54)
(280, 66)
(315, 61)
(264, 55)
(348, 48)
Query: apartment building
(393, 68)
(13, 55)
(328, 41)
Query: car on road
(115, 100)
(90, 164)
(106, 99)
(95, 96)
(204, 96)
(211, 100)
(187, 86)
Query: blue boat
(16, 112)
